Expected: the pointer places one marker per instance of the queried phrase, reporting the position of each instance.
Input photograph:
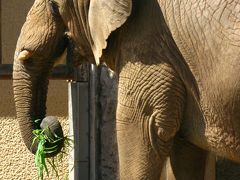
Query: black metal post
(79, 127)
(0, 32)
(94, 123)
(83, 124)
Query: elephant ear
(106, 16)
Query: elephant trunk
(41, 41)
(30, 85)
(30, 92)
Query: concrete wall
(15, 160)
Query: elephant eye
(54, 7)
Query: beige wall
(15, 160)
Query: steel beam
(83, 161)
(60, 72)
(79, 130)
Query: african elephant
(178, 73)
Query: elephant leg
(187, 160)
(150, 106)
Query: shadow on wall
(57, 103)
(13, 15)
(7, 108)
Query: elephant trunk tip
(53, 134)
(53, 130)
(51, 122)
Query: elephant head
(43, 38)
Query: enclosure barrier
(83, 124)
(60, 72)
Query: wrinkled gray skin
(178, 69)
